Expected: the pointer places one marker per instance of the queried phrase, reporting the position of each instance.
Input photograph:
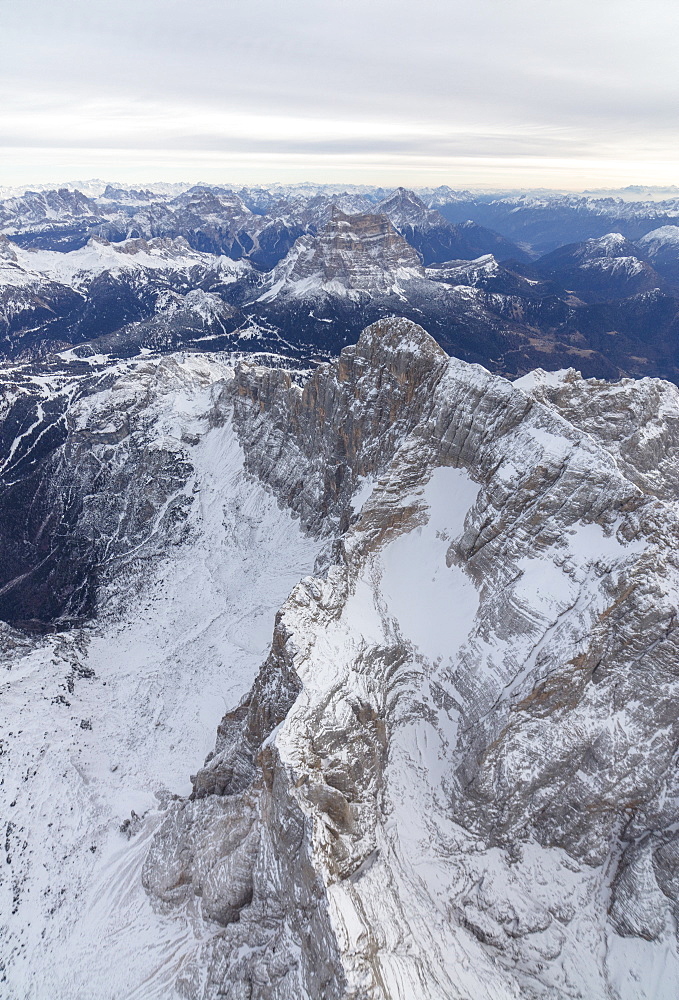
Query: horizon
(90, 187)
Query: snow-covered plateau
(430, 615)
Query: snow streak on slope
(102, 725)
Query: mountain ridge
(423, 749)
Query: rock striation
(351, 253)
(431, 616)
(454, 775)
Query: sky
(486, 93)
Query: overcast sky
(494, 93)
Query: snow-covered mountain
(99, 256)
(430, 615)
(215, 218)
(351, 254)
(661, 248)
(604, 268)
(541, 221)
(435, 239)
(268, 270)
(661, 242)
(123, 296)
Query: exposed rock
(472, 712)
(351, 253)
(453, 774)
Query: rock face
(438, 240)
(454, 775)
(126, 483)
(450, 773)
(213, 219)
(351, 253)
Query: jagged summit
(404, 207)
(207, 203)
(610, 245)
(606, 267)
(435, 238)
(665, 236)
(465, 646)
(394, 335)
(661, 248)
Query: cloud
(434, 85)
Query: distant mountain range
(300, 272)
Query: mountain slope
(542, 221)
(51, 300)
(661, 248)
(361, 253)
(187, 558)
(453, 774)
(434, 718)
(606, 268)
(435, 239)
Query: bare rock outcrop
(455, 774)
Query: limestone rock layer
(455, 773)
(430, 616)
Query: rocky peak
(205, 201)
(480, 624)
(462, 736)
(352, 252)
(162, 246)
(603, 268)
(610, 245)
(315, 212)
(55, 205)
(128, 195)
(603, 248)
(405, 208)
(337, 445)
(665, 236)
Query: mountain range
(338, 595)
(207, 268)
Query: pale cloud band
(507, 93)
